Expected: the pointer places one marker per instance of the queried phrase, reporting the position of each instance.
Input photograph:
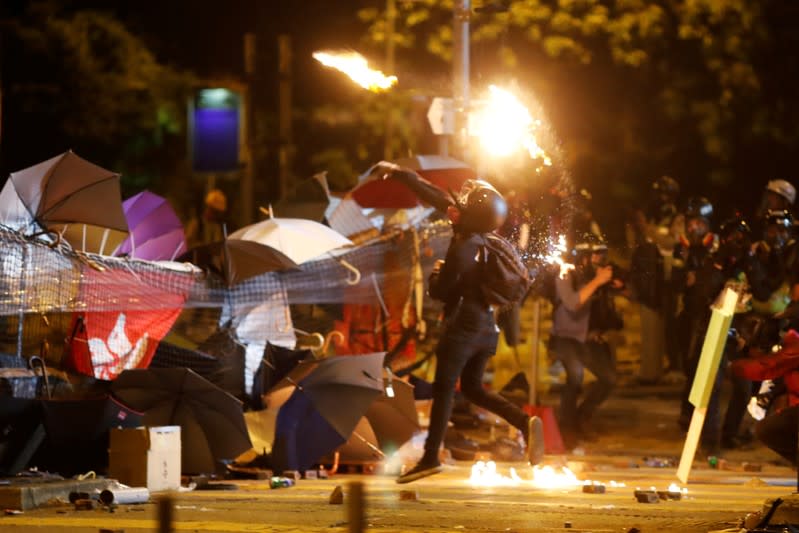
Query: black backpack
(506, 279)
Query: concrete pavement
(447, 502)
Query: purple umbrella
(156, 233)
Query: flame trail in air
(357, 68)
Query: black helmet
(779, 217)
(666, 185)
(732, 225)
(483, 209)
(699, 207)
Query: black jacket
(458, 281)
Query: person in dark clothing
(470, 333)
(732, 265)
(691, 255)
(650, 278)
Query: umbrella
(276, 365)
(393, 415)
(77, 432)
(224, 345)
(300, 240)
(237, 260)
(325, 408)
(387, 193)
(169, 355)
(362, 446)
(61, 192)
(156, 233)
(309, 199)
(446, 173)
(211, 420)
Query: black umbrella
(393, 415)
(224, 345)
(211, 420)
(277, 363)
(77, 432)
(325, 408)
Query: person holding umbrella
(470, 336)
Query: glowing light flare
(547, 477)
(484, 474)
(555, 256)
(356, 67)
(503, 125)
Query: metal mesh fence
(43, 287)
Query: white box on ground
(146, 457)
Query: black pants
(576, 357)
(779, 432)
(466, 346)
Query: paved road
(447, 502)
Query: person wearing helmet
(776, 253)
(215, 215)
(573, 342)
(780, 195)
(663, 203)
(691, 254)
(470, 333)
(651, 277)
(583, 221)
(733, 266)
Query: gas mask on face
(696, 230)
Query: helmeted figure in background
(470, 333)
(691, 254)
(576, 338)
(780, 195)
(731, 265)
(651, 279)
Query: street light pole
(391, 23)
(460, 73)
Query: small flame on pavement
(504, 125)
(547, 477)
(485, 474)
(357, 68)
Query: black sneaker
(419, 471)
(535, 440)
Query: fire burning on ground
(485, 474)
(503, 125)
(357, 68)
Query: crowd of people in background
(683, 257)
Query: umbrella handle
(354, 275)
(330, 336)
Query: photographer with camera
(583, 312)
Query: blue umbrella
(326, 405)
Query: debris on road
(337, 496)
(409, 495)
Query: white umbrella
(299, 239)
